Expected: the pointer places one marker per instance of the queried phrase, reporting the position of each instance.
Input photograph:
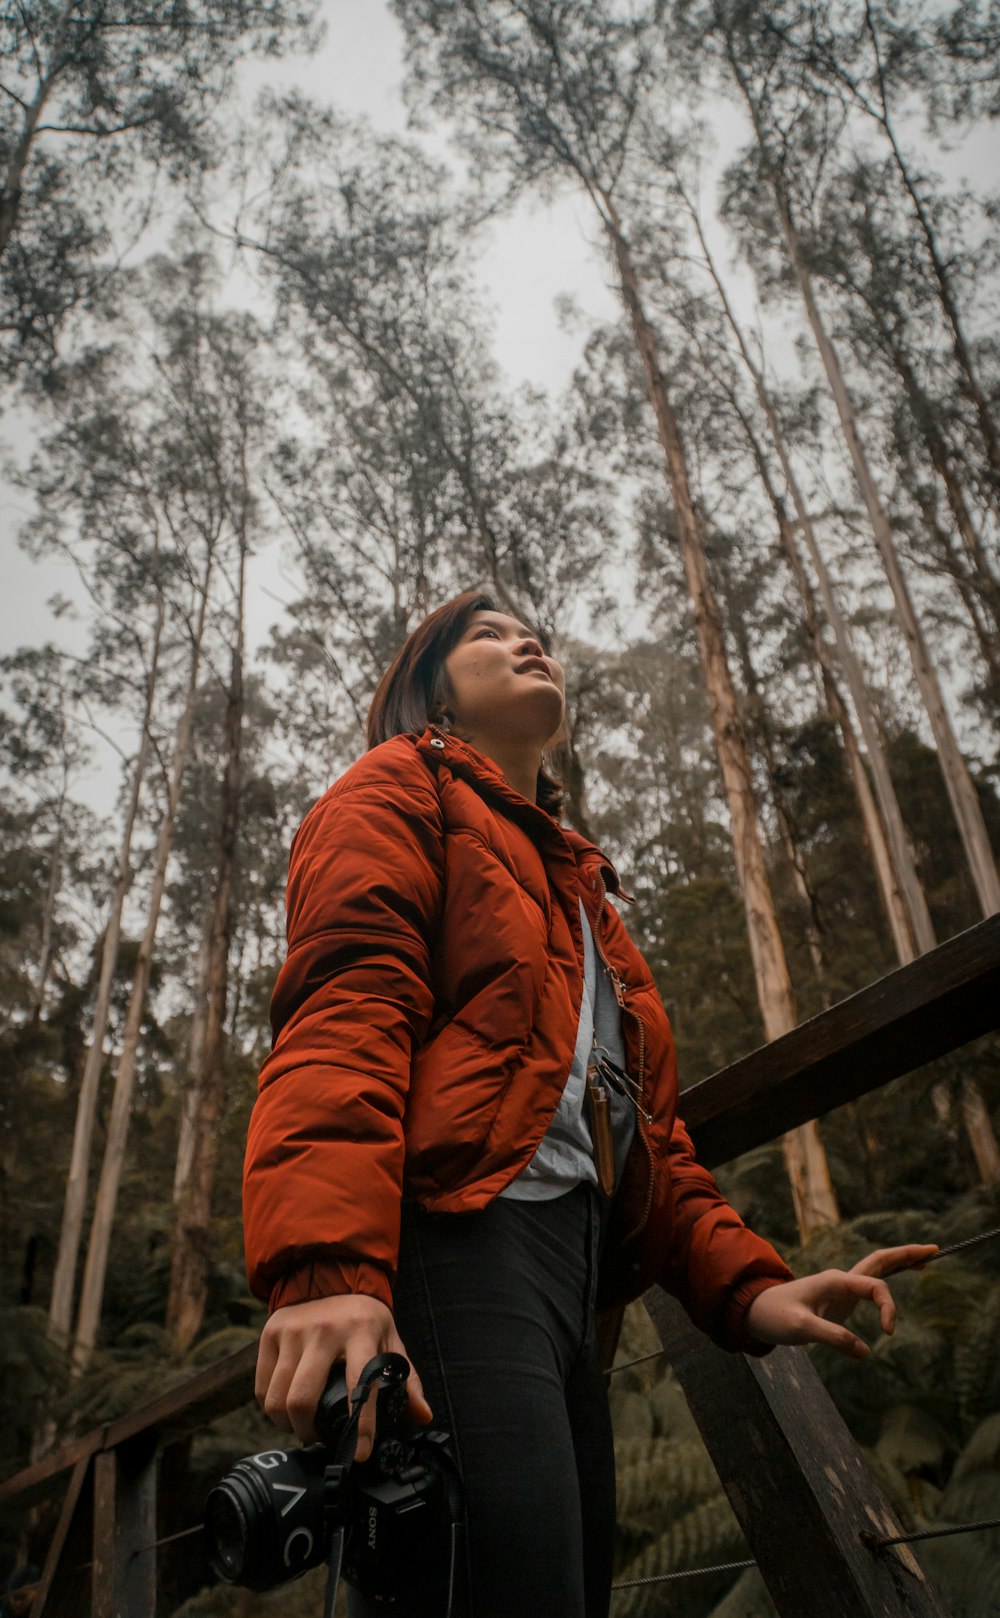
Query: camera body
(275, 1514)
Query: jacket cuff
(735, 1335)
(329, 1278)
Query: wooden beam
(58, 1540)
(223, 1387)
(936, 1004)
(795, 1479)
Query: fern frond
(966, 1572)
(220, 1345)
(976, 1358)
(706, 1534)
(671, 1412)
(912, 1441)
(659, 1478)
(982, 1452)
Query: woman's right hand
(300, 1343)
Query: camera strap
(384, 1369)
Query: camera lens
(264, 1522)
(226, 1527)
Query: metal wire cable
(688, 1573)
(626, 1364)
(929, 1533)
(943, 1252)
(869, 1540)
(956, 1247)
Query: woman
(466, 1142)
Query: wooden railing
(811, 1512)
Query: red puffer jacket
(424, 1023)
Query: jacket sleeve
(717, 1266)
(324, 1162)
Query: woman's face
(499, 683)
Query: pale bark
(189, 1259)
(961, 792)
(971, 569)
(762, 728)
(960, 346)
(899, 886)
(112, 1166)
(75, 1199)
(195, 1066)
(812, 1189)
(979, 1128)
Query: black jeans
(497, 1313)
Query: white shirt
(565, 1154)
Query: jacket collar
(441, 747)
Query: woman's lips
(531, 663)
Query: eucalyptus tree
(548, 92)
(98, 485)
(43, 754)
(864, 252)
(776, 184)
(356, 236)
(878, 59)
(899, 885)
(406, 473)
(101, 103)
(202, 415)
(235, 452)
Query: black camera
(390, 1523)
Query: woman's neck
(519, 763)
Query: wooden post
(124, 1566)
(795, 1479)
(67, 1515)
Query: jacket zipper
(640, 1113)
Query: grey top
(565, 1155)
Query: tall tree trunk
(963, 356)
(982, 1136)
(900, 887)
(75, 1199)
(975, 579)
(189, 1259)
(961, 792)
(764, 734)
(195, 1068)
(95, 1269)
(812, 1189)
(925, 416)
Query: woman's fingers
(820, 1330)
(301, 1342)
(360, 1349)
(273, 1393)
(837, 1293)
(267, 1359)
(887, 1260)
(417, 1403)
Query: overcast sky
(530, 259)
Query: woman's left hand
(813, 1308)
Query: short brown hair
(410, 695)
